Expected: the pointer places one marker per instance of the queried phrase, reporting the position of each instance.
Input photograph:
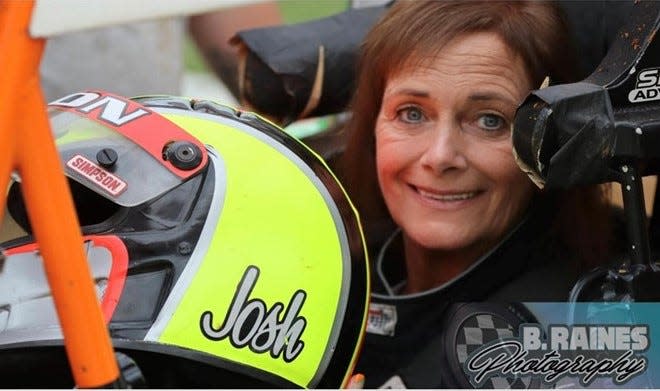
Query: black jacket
(412, 341)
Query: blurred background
(199, 79)
(174, 55)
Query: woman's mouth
(446, 198)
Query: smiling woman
(449, 215)
(443, 155)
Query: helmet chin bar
(605, 128)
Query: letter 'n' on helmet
(224, 252)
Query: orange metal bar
(27, 144)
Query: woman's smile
(446, 199)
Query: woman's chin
(441, 240)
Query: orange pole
(26, 138)
(7, 89)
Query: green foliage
(192, 58)
(296, 11)
(293, 11)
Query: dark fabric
(283, 61)
(529, 266)
(594, 26)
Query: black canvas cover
(283, 63)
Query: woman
(430, 151)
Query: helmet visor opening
(92, 209)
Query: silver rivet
(632, 70)
(624, 168)
(628, 187)
(638, 130)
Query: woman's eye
(491, 122)
(411, 114)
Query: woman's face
(443, 146)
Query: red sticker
(97, 175)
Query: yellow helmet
(225, 253)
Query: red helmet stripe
(118, 270)
(148, 129)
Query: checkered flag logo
(479, 330)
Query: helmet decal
(102, 106)
(104, 179)
(131, 119)
(282, 339)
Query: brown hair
(416, 30)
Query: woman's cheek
(387, 165)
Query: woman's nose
(445, 149)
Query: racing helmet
(224, 252)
